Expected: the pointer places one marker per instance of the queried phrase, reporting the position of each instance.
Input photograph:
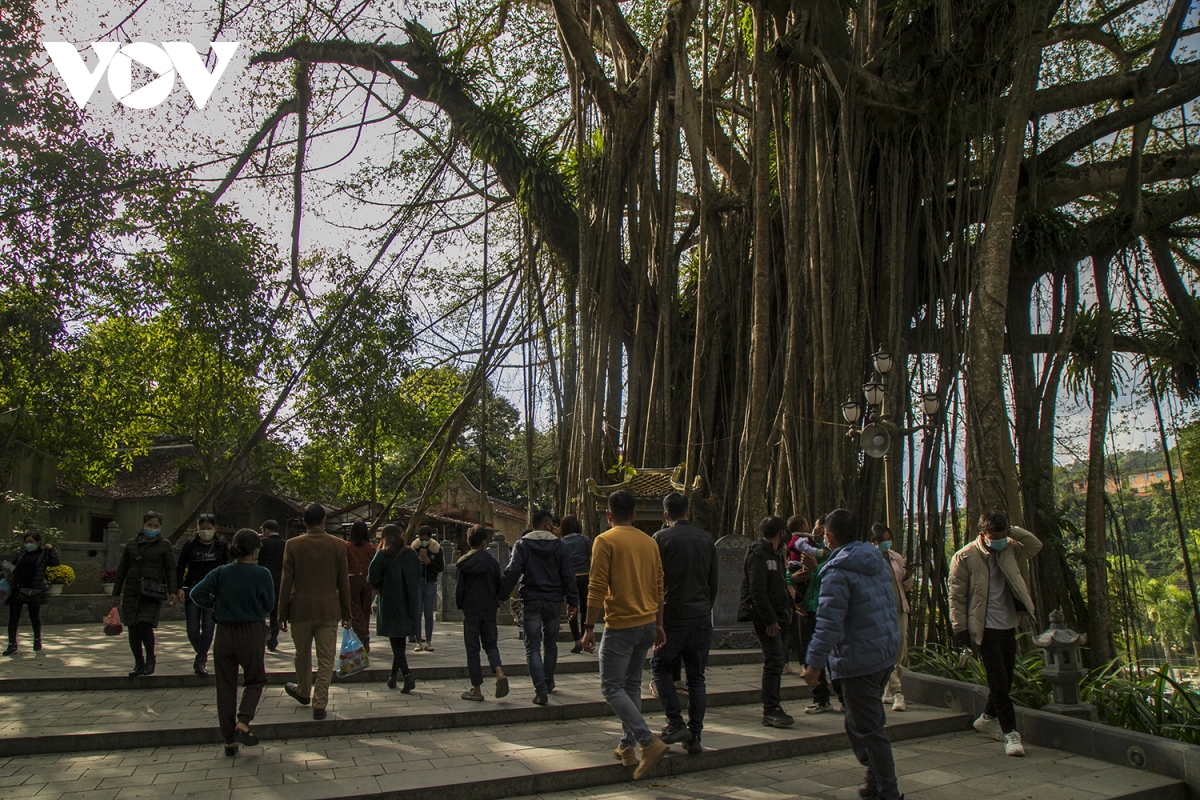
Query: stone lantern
(1064, 668)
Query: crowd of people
(832, 597)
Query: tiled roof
(649, 483)
(155, 474)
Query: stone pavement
(493, 761)
(97, 716)
(953, 766)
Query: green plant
(62, 574)
(1154, 703)
(1029, 688)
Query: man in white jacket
(987, 589)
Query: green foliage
(1156, 703)
(1029, 688)
(22, 507)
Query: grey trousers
(865, 718)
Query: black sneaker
(410, 683)
(776, 718)
(550, 687)
(674, 734)
(137, 670)
(318, 713)
(392, 681)
(693, 747)
(37, 645)
(293, 691)
(541, 699)
(149, 668)
(12, 648)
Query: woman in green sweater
(240, 595)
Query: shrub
(1029, 688)
(63, 574)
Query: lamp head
(882, 360)
(930, 403)
(851, 410)
(874, 391)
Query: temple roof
(648, 483)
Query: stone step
(472, 763)
(116, 720)
(952, 766)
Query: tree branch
(1068, 183)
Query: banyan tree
(718, 210)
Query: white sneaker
(1012, 745)
(420, 646)
(898, 703)
(888, 698)
(989, 726)
(429, 647)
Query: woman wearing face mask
(881, 537)
(145, 579)
(240, 596)
(200, 555)
(29, 587)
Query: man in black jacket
(200, 555)
(270, 555)
(477, 595)
(540, 562)
(689, 562)
(766, 603)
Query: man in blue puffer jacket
(856, 640)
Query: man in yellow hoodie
(627, 580)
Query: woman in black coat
(145, 578)
(29, 587)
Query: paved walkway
(74, 650)
(329, 767)
(957, 766)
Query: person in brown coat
(314, 593)
(359, 552)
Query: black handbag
(154, 591)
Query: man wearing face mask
(987, 588)
(200, 555)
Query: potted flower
(59, 578)
(108, 580)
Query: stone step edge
(677, 764)
(102, 683)
(470, 717)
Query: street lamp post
(878, 432)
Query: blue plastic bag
(5, 589)
(353, 657)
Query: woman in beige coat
(902, 582)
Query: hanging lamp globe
(874, 392)
(882, 360)
(851, 410)
(930, 403)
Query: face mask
(150, 533)
(206, 535)
(30, 546)
(885, 546)
(997, 544)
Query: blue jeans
(622, 656)
(426, 601)
(199, 628)
(688, 640)
(541, 625)
(477, 631)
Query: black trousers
(773, 648)
(238, 645)
(998, 654)
(141, 635)
(865, 720)
(399, 659)
(14, 618)
(581, 583)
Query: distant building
(1136, 483)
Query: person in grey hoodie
(541, 563)
(857, 639)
